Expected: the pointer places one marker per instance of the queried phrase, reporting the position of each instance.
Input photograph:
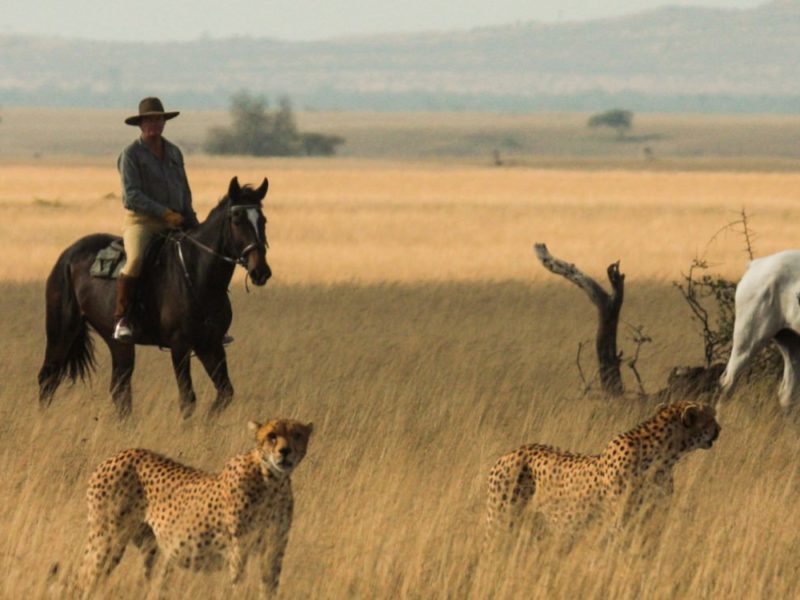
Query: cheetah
(565, 491)
(196, 520)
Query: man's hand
(173, 218)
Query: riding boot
(126, 287)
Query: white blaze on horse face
(252, 214)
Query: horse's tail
(70, 349)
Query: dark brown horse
(183, 304)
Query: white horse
(768, 308)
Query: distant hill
(673, 58)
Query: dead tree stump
(608, 309)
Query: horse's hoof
(218, 406)
(124, 411)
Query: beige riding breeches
(137, 231)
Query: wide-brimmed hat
(151, 107)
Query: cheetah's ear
(253, 426)
(309, 429)
(689, 415)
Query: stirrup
(227, 339)
(123, 331)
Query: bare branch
(568, 270)
(608, 308)
(580, 368)
(586, 383)
(639, 338)
(747, 234)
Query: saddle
(109, 261)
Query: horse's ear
(234, 188)
(262, 189)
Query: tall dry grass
(414, 389)
(372, 221)
(409, 320)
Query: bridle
(240, 260)
(232, 211)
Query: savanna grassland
(408, 319)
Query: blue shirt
(151, 185)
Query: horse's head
(248, 229)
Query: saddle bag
(109, 261)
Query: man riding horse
(156, 194)
(183, 301)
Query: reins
(241, 260)
(228, 259)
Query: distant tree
(251, 124)
(616, 118)
(258, 131)
(318, 144)
(286, 139)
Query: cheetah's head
(281, 443)
(697, 425)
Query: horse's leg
(215, 363)
(788, 343)
(752, 329)
(740, 356)
(122, 360)
(181, 356)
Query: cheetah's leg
(510, 490)
(145, 540)
(495, 507)
(103, 552)
(623, 496)
(112, 524)
(159, 585)
(272, 559)
(236, 561)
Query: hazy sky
(149, 20)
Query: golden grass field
(409, 320)
(366, 221)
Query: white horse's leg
(738, 360)
(788, 343)
(753, 327)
